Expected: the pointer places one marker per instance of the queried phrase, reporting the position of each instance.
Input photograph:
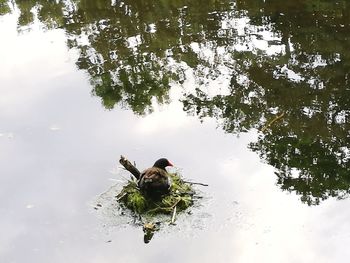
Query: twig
(188, 182)
(121, 196)
(181, 193)
(174, 205)
(129, 166)
(159, 210)
(173, 217)
(271, 122)
(164, 209)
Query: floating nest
(150, 210)
(180, 197)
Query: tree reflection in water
(276, 57)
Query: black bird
(155, 181)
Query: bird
(155, 181)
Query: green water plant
(181, 196)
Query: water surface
(202, 84)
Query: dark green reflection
(280, 57)
(310, 145)
(4, 7)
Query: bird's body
(155, 181)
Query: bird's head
(162, 163)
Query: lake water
(252, 98)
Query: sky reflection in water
(59, 151)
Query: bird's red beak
(170, 164)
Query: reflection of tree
(4, 7)
(310, 146)
(320, 164)
(133, 49)
(120, 54)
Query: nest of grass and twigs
(181, 196)
(151, 210)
